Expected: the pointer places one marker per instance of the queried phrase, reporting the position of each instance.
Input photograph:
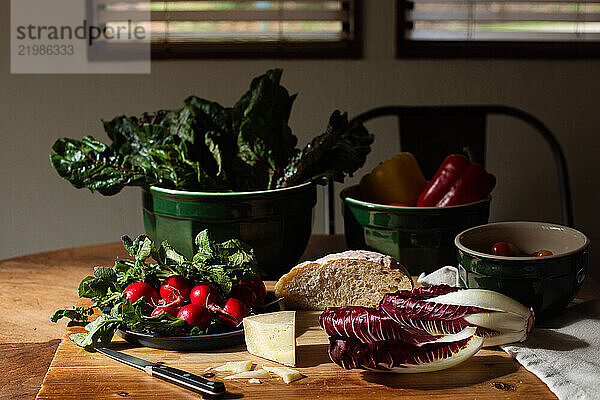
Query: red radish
(258, 286)
(244, 293)
(175, 290)
(172, 311)
(203, 294)
(236, 309)
(137, 290)
(195, 315)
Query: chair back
(433, 132)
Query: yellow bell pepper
(398, 180)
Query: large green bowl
(276, 223)
(547, 284)
(421, 238)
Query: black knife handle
(187, 380)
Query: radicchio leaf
(398, 356)
(433, 318)
(429, 292)
(369, 325)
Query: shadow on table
(586, 310)
(552, 340)
(227, 395)
(474, 371)
(23, 367)
(120, 346)
(311, 355)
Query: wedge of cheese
(235, 366)
(257, 374)
(272, 336)
(287, 374)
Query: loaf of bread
(351, 278)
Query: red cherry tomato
(204, 294)
(542, 253)
(172, 311)
(195, 315)
(244, 293)
(258, 286)
(505, 249)
(176, 290)
(237, 309)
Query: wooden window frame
(345, 49)
(406, 48)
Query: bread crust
(332, 280)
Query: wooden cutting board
(77, 374)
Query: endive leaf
(498, 320)
(482, 298)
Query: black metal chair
(433, 132)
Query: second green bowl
(421, 238)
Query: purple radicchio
(401, 357)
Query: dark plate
(211, 341)
(198, 342)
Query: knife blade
(175, 376)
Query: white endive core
(512, 320)
(483, 298)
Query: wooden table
(34, 286)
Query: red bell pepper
(457, 181)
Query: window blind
(506, 21)
(223, 26)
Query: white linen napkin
(447, 275)
(563, 352)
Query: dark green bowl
(547, 284)
(276, 223)
(421, 238)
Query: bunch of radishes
(199, 303)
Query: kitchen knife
(173, 375)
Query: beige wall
(39, 211)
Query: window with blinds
(498, 28)
(202, 28)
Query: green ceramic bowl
(276, 223)
(547, 284)
(421, 238)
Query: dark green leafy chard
(340, 151)
(265, 141)
(221, 264)
(92, 164)
(213, 144)
(207, 147)
(134, 136)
